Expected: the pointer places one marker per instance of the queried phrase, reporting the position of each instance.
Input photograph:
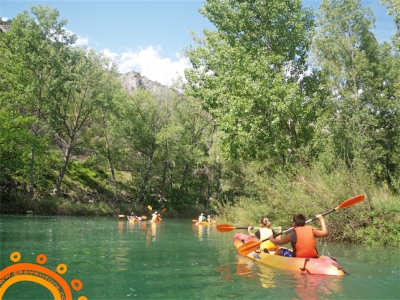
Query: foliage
(362, 76)
(300, 134)
(394, 9)
(247, 71)
(313, 190)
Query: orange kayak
(323, 265)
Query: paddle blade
(164, 210)
(351, 202)
(144, 217)
(225, 228)
(248, 247)
(149, 207)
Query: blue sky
(148, 36)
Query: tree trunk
(146, 178)
(63, 169)
(32, 178)
(110, 163)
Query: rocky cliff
(4, 28)
(131, 81)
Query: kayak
(202, 223)
(323, 265)
(134, 220)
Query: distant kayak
(323, 265)
(202, 223)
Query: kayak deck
(323, 265)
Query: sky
(149, 36)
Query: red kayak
(323, 265)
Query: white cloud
(81, 41)
(146, 61)
(149, 63)
(109, 54)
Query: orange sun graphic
(39, 274)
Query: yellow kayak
(323, 265)
(202, 223)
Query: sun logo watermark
(37, 273)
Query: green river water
(110, 258)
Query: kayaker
(154, 216)
(302, 238)
(132, 216)
(262, 234)
(209, 219)
(202, 218)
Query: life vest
(303, 242)
(264, 234)
(154, 217)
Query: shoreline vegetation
(374, 221)
(275, 117)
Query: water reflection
(118, 262)
(120, 227)
(151, 232)
(312, 287)
(203, 231)
(242, 267)
(307, 287)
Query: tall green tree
(32, 56)
(394, 9)
(361, 76)
(78, 97)
(250, 75)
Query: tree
(77, 99)
(394, 9)
(362, 75)
(250, 75)
(32, 52)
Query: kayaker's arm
(324, 229)
(249, 231)
(281, 241)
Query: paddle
(150, 208)
(227, 228)
(251, 246)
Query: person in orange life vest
(264, 233)
(302, 238)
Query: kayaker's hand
(279, 229)
(319, 217)
(249, 227)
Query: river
(110, 258)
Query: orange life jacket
(303, 242)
